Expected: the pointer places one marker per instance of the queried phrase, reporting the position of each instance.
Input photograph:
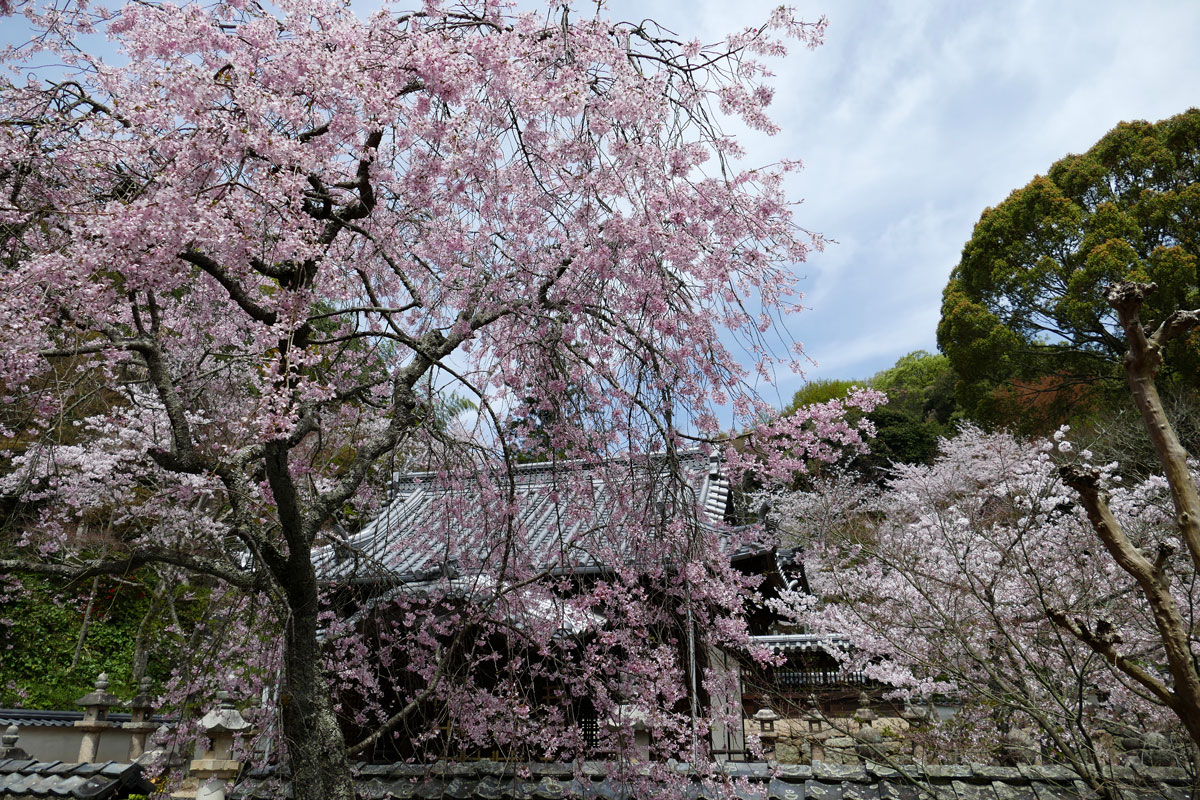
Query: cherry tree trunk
(315, 745)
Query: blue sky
(915, 116)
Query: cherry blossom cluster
(251, 261)
(949, 581)
(781, 447)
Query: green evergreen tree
(1024, 319)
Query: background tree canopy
(1024, 315)
(920, 408)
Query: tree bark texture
(1142, 364)
(316, 747)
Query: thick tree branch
(124, 565)
(134, 345)
(238, 487)
(1154, 583)
(1106, 647)
(1142, 364)
(290, 503)
(230, 284)
(183, 456)
(313, 133)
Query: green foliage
(40, 624)
(919, 385)
(821, 390)
(1026, 302)
(899, 438)
(921, 408)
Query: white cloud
(915, 116)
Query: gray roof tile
(491, 787)
(44, 766)
(403, 541)
(1053, 790)
(1048, 772)
(1154, 774)
(973, 791)
(896, 790)
(90, 768)
(498, 781)
(21, 783)
(820, 790)
(947, 772)
(939, 791)
(69, 786)
(373, 788)
(29, 778)
(988, 772)
(860, 791)
(1013, 791)
(877, 771)
(39, 718)
(794, 772)
(783, 790)
(839, 772)
(1169, 792)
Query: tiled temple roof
(109, 780)
(406, 542)
(803, 642)
(37, 718)
(486, 780)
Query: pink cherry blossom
(256, 261)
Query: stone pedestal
(139, 726)
(214, 763)
(95, 718)
(8, 745)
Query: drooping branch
(87, 622)
(431, 349)
(412, 706)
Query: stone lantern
(766, 718)
(95, 717)
(864, 715)
(814, 718)
(635, 719)
(139, 726)
(8, 744)
(215, 763)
